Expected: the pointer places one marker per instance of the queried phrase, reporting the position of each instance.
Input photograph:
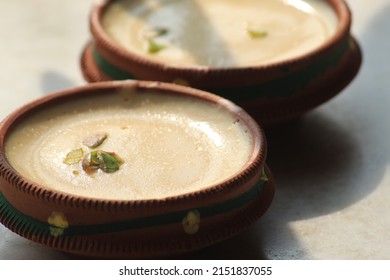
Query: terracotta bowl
(142, 228)
(270, 93)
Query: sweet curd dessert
(132, 169)
(129, 146)
(219, 33)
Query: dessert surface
(220, 33)
(129, 146)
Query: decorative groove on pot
(81, 244)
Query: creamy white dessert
(168, 145)
(220, 33)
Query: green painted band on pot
(282, 87)
(20, 221)
(291, 83)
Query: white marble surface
(331, 167)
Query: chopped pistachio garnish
(95, 140)
(91, 162)
(108, 162)
(151, 34)
(86, 164)
(257, 34)
(154, 47)
(95, 159)
(74, 156)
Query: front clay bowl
(271, 92)
(42, 199)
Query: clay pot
(150, 228)
(271, 93)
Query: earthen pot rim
(342, 32)
(255, 163)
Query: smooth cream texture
(170, 145)
(215, 32)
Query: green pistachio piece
(110, 162)
(74, 156)
(257, 34)
(154, 47)
(95, 159)
(91, 162)
(95, 140)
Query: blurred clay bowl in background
(270, 93)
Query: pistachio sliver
(154, 47)
(95, 140)
(110, 162)
(74, 156)
(94, 159)
(91, 162)
(257, 34)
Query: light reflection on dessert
(207, 130)
(215, 32)
(166, 146)
(301, 5)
